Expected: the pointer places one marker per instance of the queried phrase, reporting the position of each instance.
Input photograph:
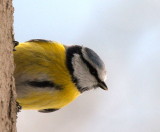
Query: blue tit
(50, 75)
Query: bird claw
(15, 44)
(18, 107)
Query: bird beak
(103, 86)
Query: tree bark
(7, 86)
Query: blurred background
(126, 34)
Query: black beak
(103, 86)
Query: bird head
(86, 68)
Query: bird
(49, 75)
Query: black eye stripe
(92, 70)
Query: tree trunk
(7, 86)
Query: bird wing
(47, 110)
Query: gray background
(126, 34)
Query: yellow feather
(49, 58)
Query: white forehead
(95, 61)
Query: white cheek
(81, 72)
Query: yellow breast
(39, 60)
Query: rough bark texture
(7, 86)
